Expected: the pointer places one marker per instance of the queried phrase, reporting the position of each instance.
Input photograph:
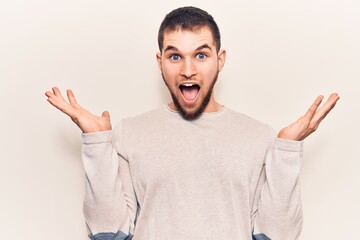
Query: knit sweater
(222, 176)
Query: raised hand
(309, 122)
(85, 120)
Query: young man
(192, 169)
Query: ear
(221, 59)
(159, 60)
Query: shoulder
(130, 129)
(243, 118)
(145, 119)
(139, 122)
(247, 124)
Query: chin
(193, 112)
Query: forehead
(188, 39)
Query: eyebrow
(172, 48)
(169, 48)
(203, 46)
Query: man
(192, 169)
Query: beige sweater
(160, 177)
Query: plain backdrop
(281, 55)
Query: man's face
(190, 63)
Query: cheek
(169, 72)
(210, 71)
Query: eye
(175, 57)
(201, 56)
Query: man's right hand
(85, 120)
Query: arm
(279, 212)
(110, 203)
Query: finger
(49, 94)
(57, 93)
(330, 102)
(55, 98)
(106, 115)
(326, 108)
(53, 101)
(312, 110)
(71, 98)
(52, 98)
(334, 97)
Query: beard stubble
(195, 114)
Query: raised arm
(279, 212)
(85, 120)
(109, 204)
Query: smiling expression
(190, 64)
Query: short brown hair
(188, 18)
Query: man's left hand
(309, 122)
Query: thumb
(106, 115)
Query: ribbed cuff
(288, 145)
(96, 137)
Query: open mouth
(189, 91)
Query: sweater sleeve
(110, 204)
(278, 215)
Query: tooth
(188, 84)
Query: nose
(188, 68)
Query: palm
(85, 120)
(309, 122)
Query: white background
(281, 55)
